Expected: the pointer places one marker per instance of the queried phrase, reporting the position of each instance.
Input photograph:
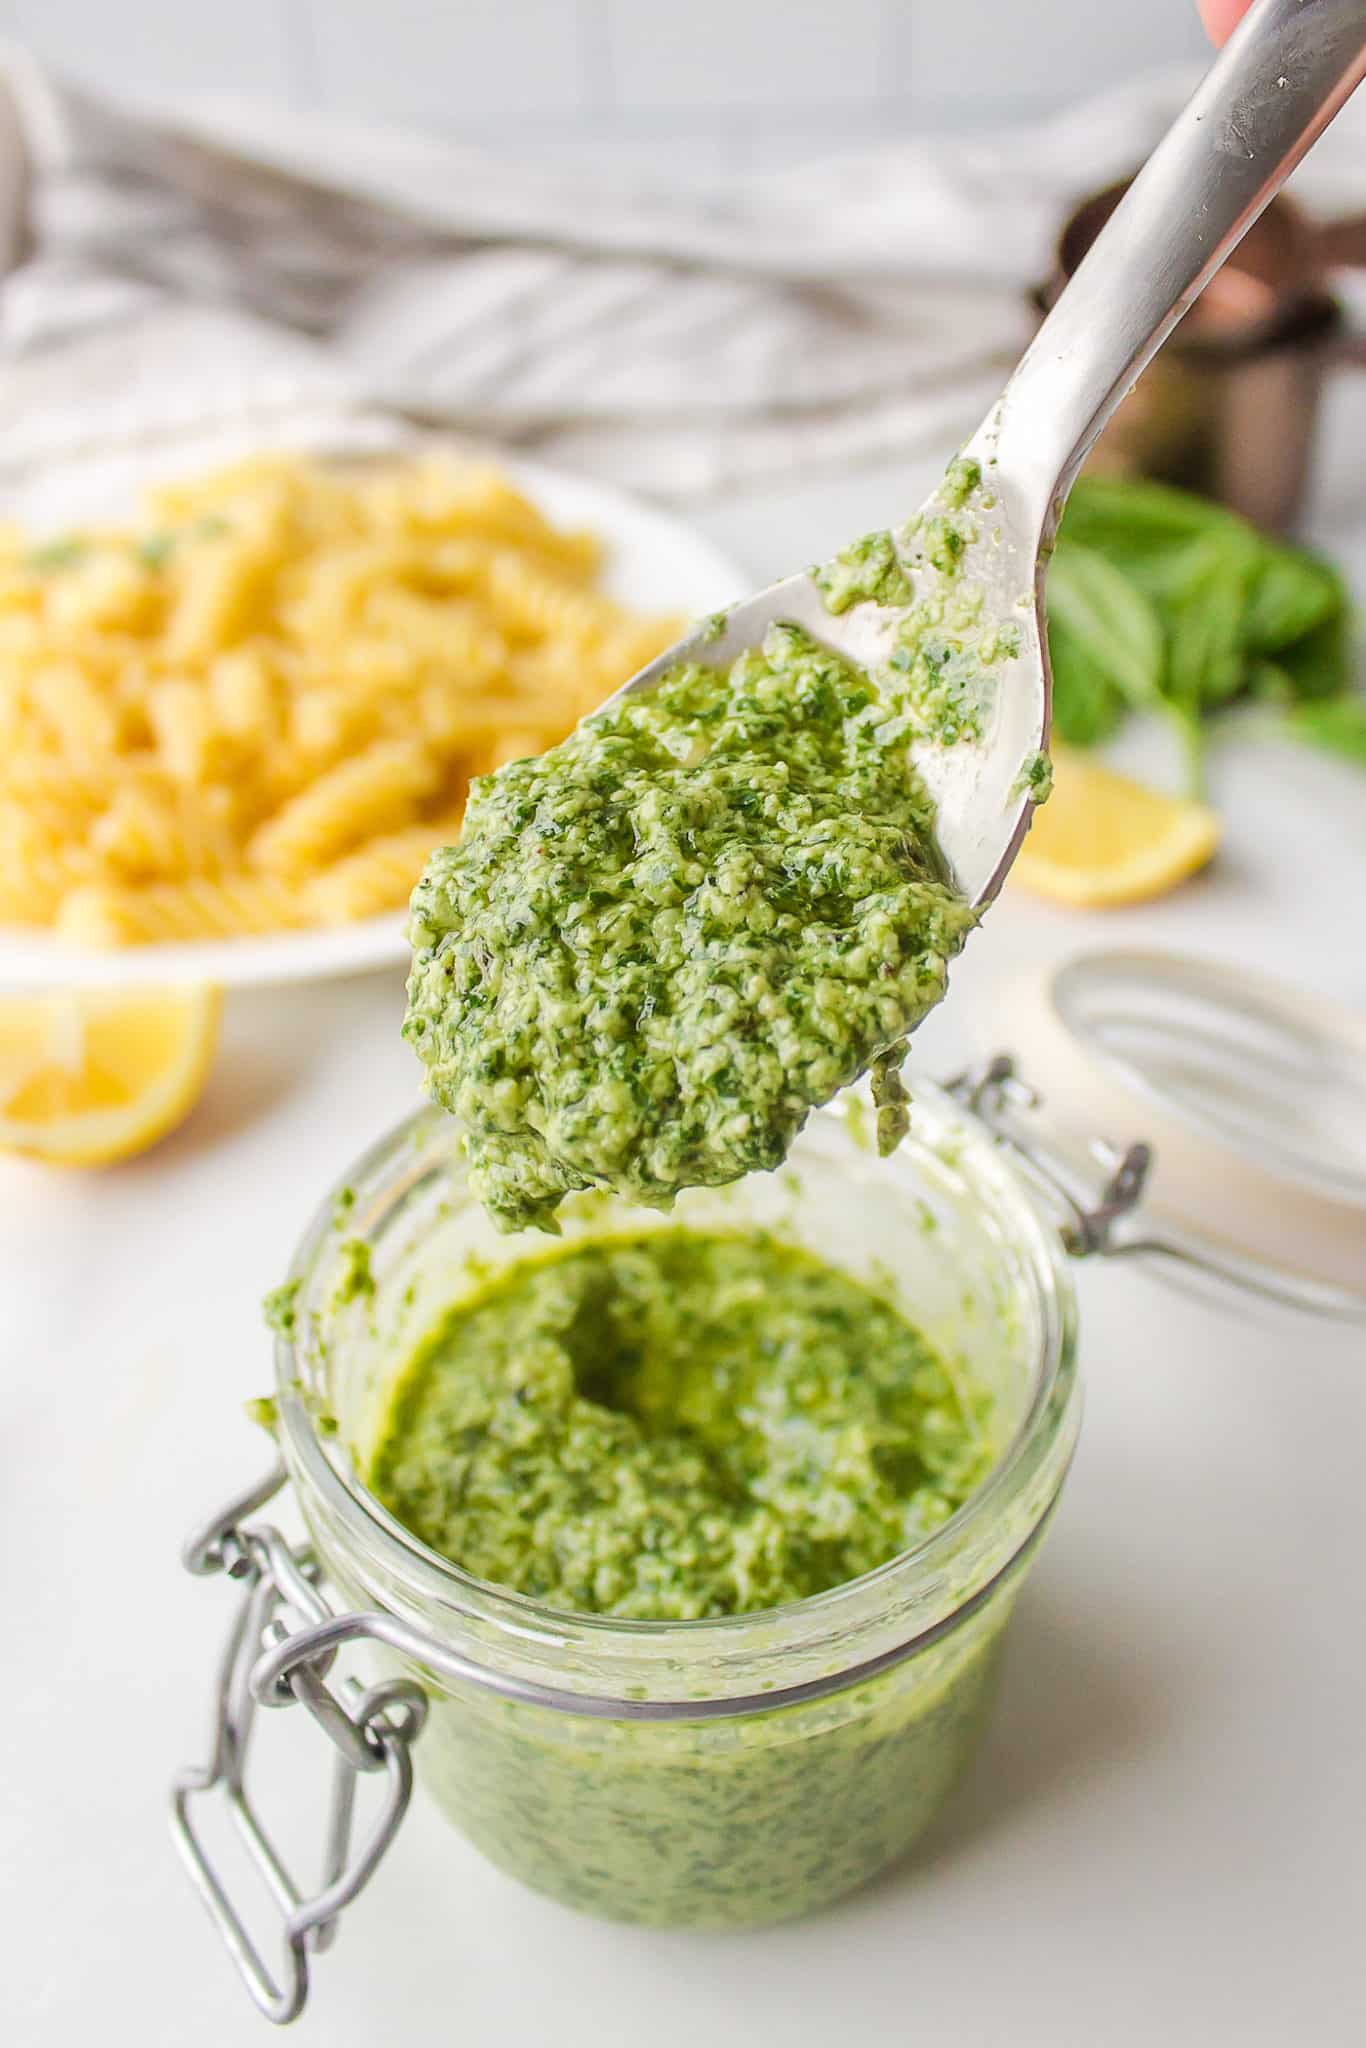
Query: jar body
(827, 1733)
(720, 1824)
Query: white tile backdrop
(695, 87)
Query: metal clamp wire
(278, 1664)
(371, 1733)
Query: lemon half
(1102, 840)
(93, 1076)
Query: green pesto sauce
(355, 1281)
(945, 658)
(944, 662)
(1035, 779)
(962, 480)
(280, 1308)
(669, 1425)
(720, 1824)
(677, 1425)
(658, 946)
(867, 571)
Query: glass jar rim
(359, 1523)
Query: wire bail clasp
(1110, 1220)
(372, 1730)
(995, 1094)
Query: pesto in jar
(676, 1425)
(659, 945)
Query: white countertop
(1163, 1839)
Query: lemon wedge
(1102, 840)
(93, 1076)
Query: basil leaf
(1087, 707)
(1320, 665)
(1205, 665)
(1108, 620)
(1134, 521)
(1338, 727)
(154, 550)
(1234, 613)
(1293, 595)
(55, 555)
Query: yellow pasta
(36, 874)
(71, 711)
(258, 708)
(368, 881)
(372, 793)
(104, 914)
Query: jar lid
(1251, 1092)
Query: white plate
(654, 563)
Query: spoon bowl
(979, 786)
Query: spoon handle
(1271, 92)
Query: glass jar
(710, 1773)
(734, 1771)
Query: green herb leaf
(1234, 613)
(1087, 707)
(56, 555)
(1338, 727)
(1205, 664)
(1292, 596)
(154, 549)
(1106, 642)
(1142, 528)
(1319, 667)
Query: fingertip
(1221, 17)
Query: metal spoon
(1270, 93)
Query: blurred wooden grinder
(1228, 406)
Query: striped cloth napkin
(225, 270)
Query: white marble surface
(1163, 1838)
